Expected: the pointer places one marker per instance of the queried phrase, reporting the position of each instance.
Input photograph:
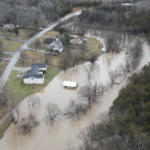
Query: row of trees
(124, 20)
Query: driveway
(22, 69)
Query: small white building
(56, 46)
(9, 27)
(69, 84)
(35, 75)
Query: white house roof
(57, 43)
(70, 84)
(34, 71)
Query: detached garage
(69, 84)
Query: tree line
(127, 125)
(126, 19)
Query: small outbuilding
(56, 46)
(9, 27)
(69, 84)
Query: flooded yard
(65, 131)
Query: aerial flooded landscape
(75, 75)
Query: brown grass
(77, 8)
(3, 65)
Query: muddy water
(65, 131)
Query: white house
(56, 46)
(35, 75)
(9, 27)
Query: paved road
(10, 53)
(16, 56)
(37, 50)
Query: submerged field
(47, 136)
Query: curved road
(16, 56)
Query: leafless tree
(88, 70)
(74, 60)
(93, 58)
(37, 43)
(52, 112)
(75, 108)
(48, 58)
(64, 62)
(86, 93)
(34, 100)
(96, 90)
(112, 42)
(136, 53)
(112, 77)
(27, 123)
(83, 50)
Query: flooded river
(64, 132)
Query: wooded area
(127, 125)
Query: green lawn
(24, 90)
(10, 46)
(21, 36)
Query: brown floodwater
(65, 131)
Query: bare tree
(74, 60)
(75, 108)
(83, 50)
(86, 93)
(112, 77)
(37, 43)
(136, 53)
(52, 112)
(96, 90)
(93, 58)
(34, 100)
(88, 70)
(64, 62)
(27, 123)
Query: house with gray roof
(56, 46)
(35, 75)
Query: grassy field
(30, 58)
(21, 36)
(10, 46)
(52, 34)
(24, 90)
(94, 46)
(3, 65)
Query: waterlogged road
(16, 56)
